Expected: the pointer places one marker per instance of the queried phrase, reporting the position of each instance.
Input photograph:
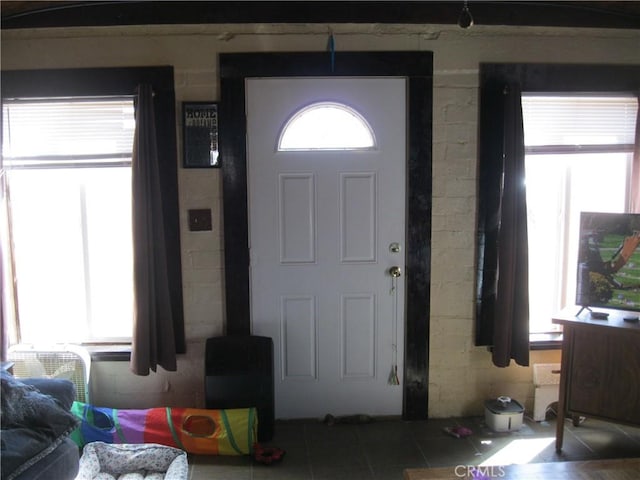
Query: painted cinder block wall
(461, 375)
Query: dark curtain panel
(4, 337)
(4, 329)
(153, 331)
(502, 299)
(635, 169)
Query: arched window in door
(326, 126)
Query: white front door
(325, 228)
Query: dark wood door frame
(417, 68)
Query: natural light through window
(326, 126)
(68, 170)
(578, 158)
(518, 452)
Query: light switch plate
(199, 220)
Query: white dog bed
(147, 461)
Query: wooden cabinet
(600, 372)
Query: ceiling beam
(603, 14)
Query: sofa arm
(64, 391)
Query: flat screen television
(609, 261)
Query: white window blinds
(579, 121)
(67, 131)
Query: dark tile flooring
(382, 449)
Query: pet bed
(103, 461)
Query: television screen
(609, 261)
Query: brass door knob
(395, 271)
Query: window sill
(545, 341)
(109, 353)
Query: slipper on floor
(267, 455)
(458, 432)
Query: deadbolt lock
(395, 247)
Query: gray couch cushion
(33, 425)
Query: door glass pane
(326, 126)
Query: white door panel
(321, 223)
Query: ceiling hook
(465, 20)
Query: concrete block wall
(461, 376)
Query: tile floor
(382, 449)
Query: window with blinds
(67, 164)
(578, 157)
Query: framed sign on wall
(200, 135)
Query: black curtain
(502, 297)
(153, 326)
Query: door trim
(417, 68)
